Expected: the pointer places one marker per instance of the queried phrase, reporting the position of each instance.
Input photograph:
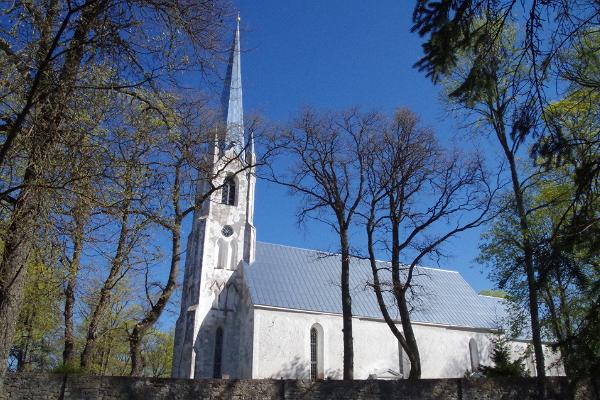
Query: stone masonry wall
(70, 387)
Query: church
(262, 310)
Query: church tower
(223, 237)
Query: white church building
(261, 310)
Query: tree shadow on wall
(333, 374)
(294, 369)
(456, 367)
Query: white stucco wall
(282, 346)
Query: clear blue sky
(334, 54)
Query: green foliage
(68, 369)
(567, 268)
(37, 344)
(111, 355)
(493, 293)
(503, 365)
(559, 193)
(157, 350)
(573, 141)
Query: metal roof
(301, 279)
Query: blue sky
(332, 55)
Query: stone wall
(71, 387)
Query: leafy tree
(50, 49)
(503, 365)
(35, 347)
(453, 27)
(110, 352)
(559, 43)
(158, 354)
(567, 203)
(567, 272)
(503, 108)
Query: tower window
(228, 191)
(218, 353)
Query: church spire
(233, 112)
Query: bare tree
(327, 169)
(417, 197)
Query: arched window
(314, 348)
(218, 353)
(223, 254)
(232, 298)
(222, 300)
(228, 191)
(316, 352)
(215, 303)
(233, 258)
(474, 353)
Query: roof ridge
(360, 258)
(296, 247)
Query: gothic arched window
(218, 353)
(316, 352)
(228, 191)
(222, 254)
(232, 298)
(474, 353)
(233, 258)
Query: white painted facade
(220, 331)
(282, 347)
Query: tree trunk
(399, 290)
(414, 359)
(78, 235)
(103, 301)
(140, 329)
(135, 351)
(23, 352)
(412, 349)
(25, 215)
(346, 306)
(532, 286)
(17, 245)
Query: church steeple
(221, 242)
(231, 102)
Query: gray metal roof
(301, 279)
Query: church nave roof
(300, 279)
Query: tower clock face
(227, 230)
